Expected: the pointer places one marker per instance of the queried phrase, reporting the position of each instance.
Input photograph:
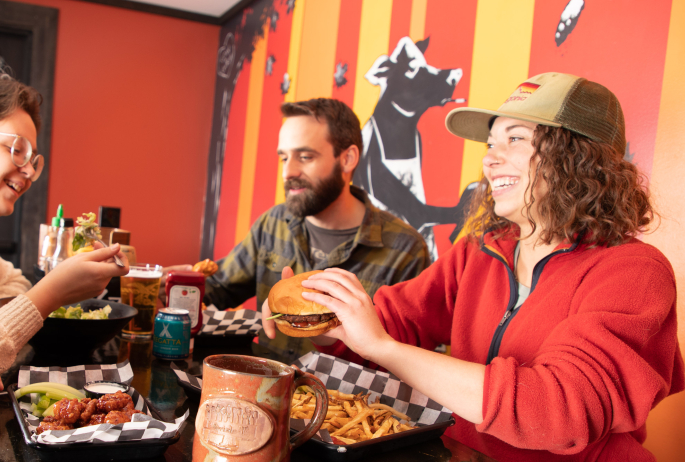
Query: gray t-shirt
(523, 291)
(322, 241)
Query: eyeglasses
(22, 153)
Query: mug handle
(305, 378)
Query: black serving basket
(333, 452)
(193, 392)
(88, 452)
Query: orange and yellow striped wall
(634, 51)
(497, 44)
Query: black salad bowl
(71, 338)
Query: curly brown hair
(15, 95)
(592, 192)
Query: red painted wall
(132, 123)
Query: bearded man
(324, 222)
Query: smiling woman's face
(507, 165)
(14, 181)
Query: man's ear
(349, 159)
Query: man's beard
(314, 200)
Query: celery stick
(59, 394)
(42, 387)
(49, 411)
(43, 402)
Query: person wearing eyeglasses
(77, 278)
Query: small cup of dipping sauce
(95, 390)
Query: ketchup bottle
(186, 289)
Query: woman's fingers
(101, 253)
(343, 286)
(341, 276)
(268, 325)
(98, 246)
(361, 329)
(332, 303)
(106, 255)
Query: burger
(295, 316)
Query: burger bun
(286, 297)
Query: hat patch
(523, 92)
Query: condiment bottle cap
(60, 214)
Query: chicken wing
(117, 417)
(50, 423)
(68, 410)
(114, 401)
(91, 406)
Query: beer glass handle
(305, 378)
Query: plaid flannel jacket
(384, 251)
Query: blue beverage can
(171, 338)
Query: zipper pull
(505, 317)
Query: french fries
(388, 408)
(350, 418)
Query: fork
(90, 234)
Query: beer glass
(139, 355)
(140, 289)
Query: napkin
(238, 322)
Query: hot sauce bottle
(185, 290)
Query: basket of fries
(351, 418)
(369, 412)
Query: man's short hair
(344, 129)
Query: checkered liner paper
(347, 377)
(142, 427)
(238, 322)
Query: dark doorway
(15, 58)
(28, 38)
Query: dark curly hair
(592, 192)
(15, 95)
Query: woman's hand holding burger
(344, 295)
(296, 316)
(340, 292)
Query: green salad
(84, 223)
(76, 312)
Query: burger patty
(311, 318)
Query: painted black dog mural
(390, 167)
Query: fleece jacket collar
(503, 250)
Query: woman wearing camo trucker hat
(562, 324)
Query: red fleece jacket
(581, 363)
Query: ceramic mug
(244, 411)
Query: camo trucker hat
(554, 99)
